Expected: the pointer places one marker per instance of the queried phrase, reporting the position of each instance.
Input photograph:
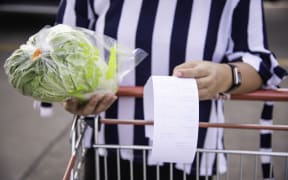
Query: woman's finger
(202, 94)
(204, 82)
(196, 72)
(71, 105)
(105, 103)
(89, 107)
(188, 64)
(205, 94)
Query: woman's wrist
(226, 79)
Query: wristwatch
(236, 78)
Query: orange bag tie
(36, 54)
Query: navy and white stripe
(173, 32)
(266, 140)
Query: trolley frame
(79, 127)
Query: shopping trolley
(75, 166)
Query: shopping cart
(75, 166)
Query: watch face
(239, 78)
(236, 76)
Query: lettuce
(61, 62)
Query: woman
(222, 44)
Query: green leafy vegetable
(60, 62)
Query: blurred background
(34, 148)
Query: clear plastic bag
(60, 62)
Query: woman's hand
(96, 104)
(212, 78)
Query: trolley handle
(201, 124)
(280, 94)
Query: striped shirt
(173, 32)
